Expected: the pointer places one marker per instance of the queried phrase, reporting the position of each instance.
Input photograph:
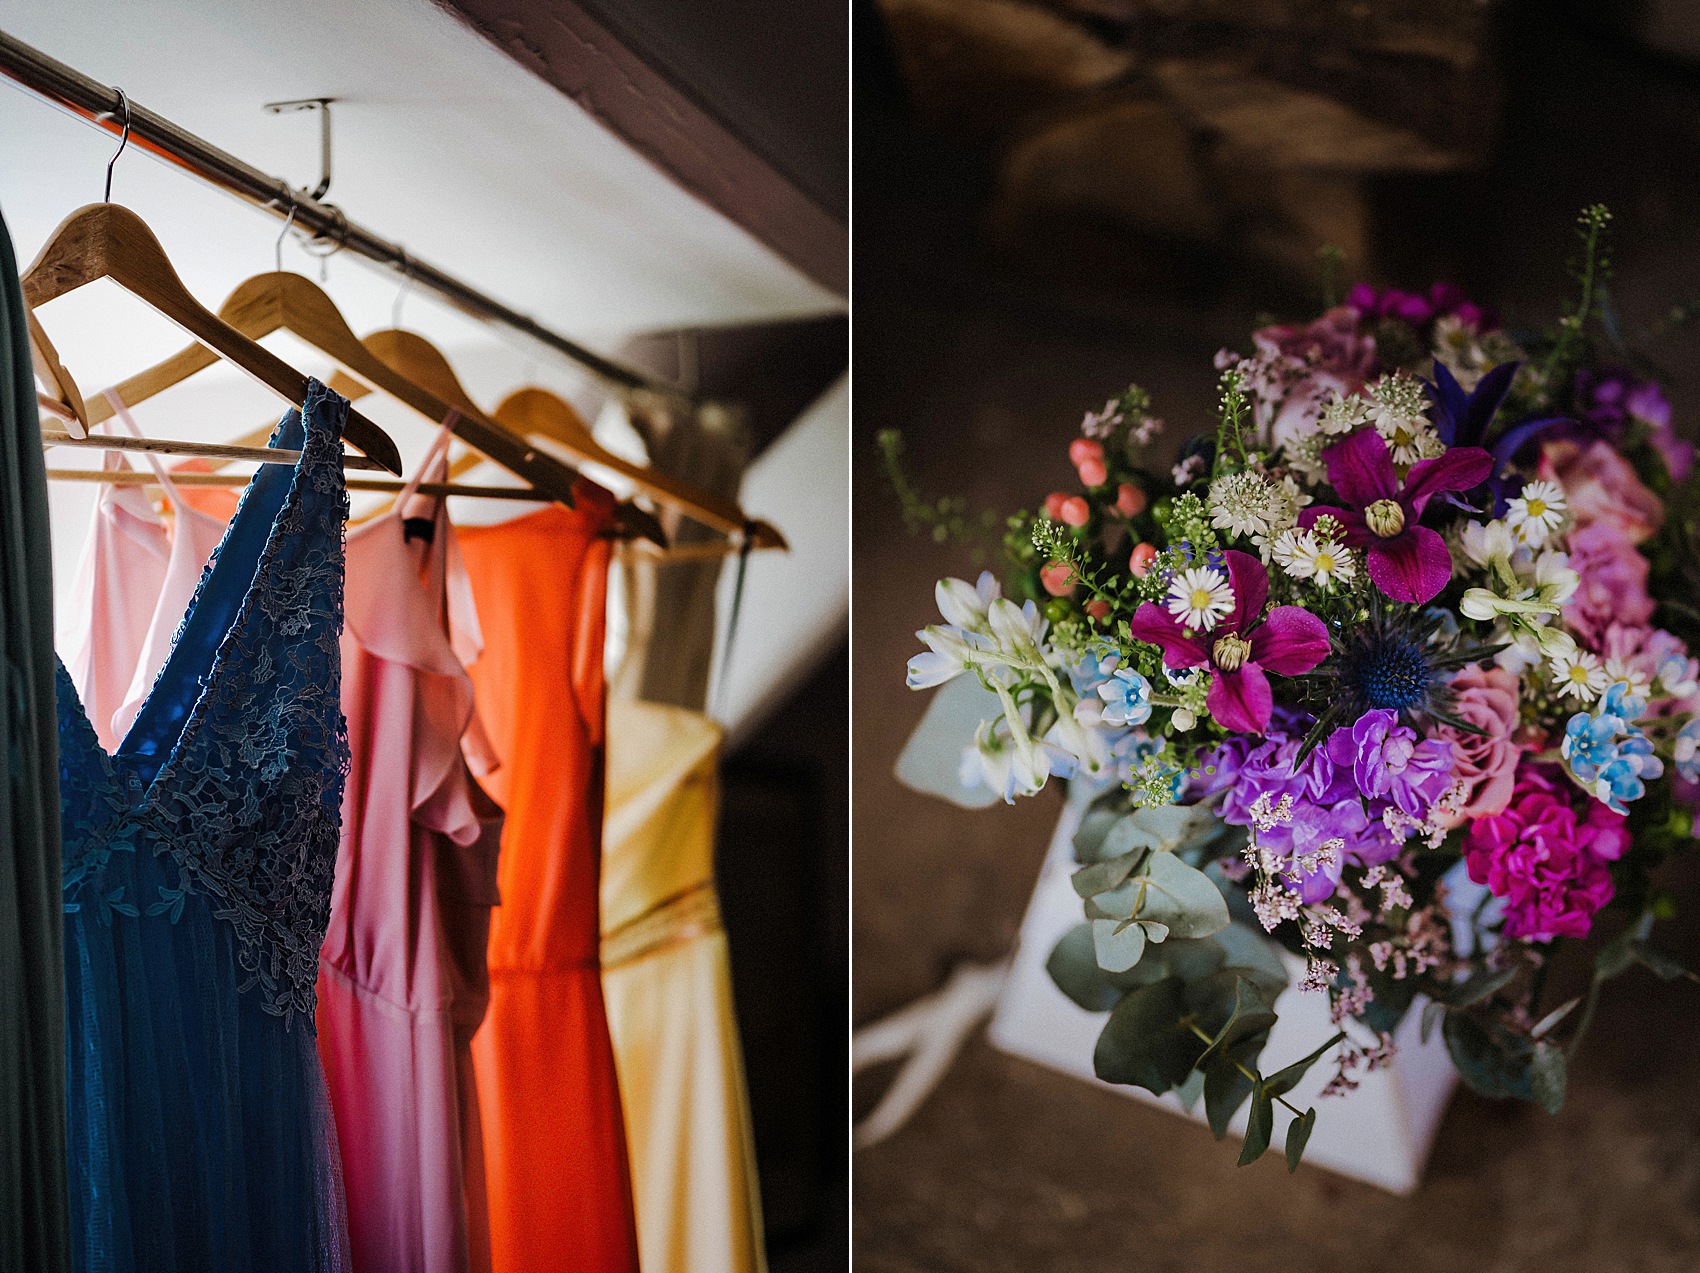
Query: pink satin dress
(402, 976)
(133, 583)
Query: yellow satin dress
(668, 985)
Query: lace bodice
(234, 768)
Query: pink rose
(1600, 486)
(1487, 765)
(1325, 357)
(1614, 582)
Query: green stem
(1253, 1075)
(1587, 1018)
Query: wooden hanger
(68, 405)
(281, 301)
(422, 362)
(105, 240)
(534, 411)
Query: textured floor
(987, 368)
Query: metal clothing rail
(93, 101)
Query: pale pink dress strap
(193, 541)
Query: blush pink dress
(133, 583)
(402, 975)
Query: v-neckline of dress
(262, 491)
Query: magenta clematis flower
(1241, 648)
(1407, 561)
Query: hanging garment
(668, 981)
(198, 870)
(35, 1229)
(555, 1146)
(402, 982)
(133, 584)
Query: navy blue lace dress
(198, 866)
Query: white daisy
(1579, 675)
(1304, 555)
(1620, 670)
(1535, 514)
(1241, 504)
(1200, 597)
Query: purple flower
(1325, 805)
(1242, 648)
(1389, 762)
(1406, 560)
(1420, 310)
(1612, 396)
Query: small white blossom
(1201, 597)
(1343, 414)
(1536, 514)
(1579, 675)
(1303, 555)
(1399, 411)
(1241, 504)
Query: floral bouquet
(1392, 668)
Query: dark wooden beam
(631, 95)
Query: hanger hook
(123, 140)
(401, 292)
(277, 248)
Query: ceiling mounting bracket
(323, 106)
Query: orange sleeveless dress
(560, 1190)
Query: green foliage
(944, 519)
(1298, 1136)
(1590, 273)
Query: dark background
(991, 310)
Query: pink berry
(1140, 561)
(1082, 449)
(1099, 609)
(1093, 472)
(1075, 511)
(1058, 578)
(1130, 500)
(1054, 504)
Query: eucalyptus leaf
(1118, 942)
(1094, 829)
(1144, 1043)
(1298, 1136)
(1251, 1015)
(1182, 897)
(1494, 1063)
(1073, 966)
(1226, 1085)
(1260, 1126)
(1284, 1081)
(1103, 876)
(1547, 1075)
(1155, 933)
(1256, 956)
(1125, 901)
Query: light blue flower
(1094, 666)
(1590, 743)
(1686, 751)
(1127, 698)
(1621, 702)
(1608, 753)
